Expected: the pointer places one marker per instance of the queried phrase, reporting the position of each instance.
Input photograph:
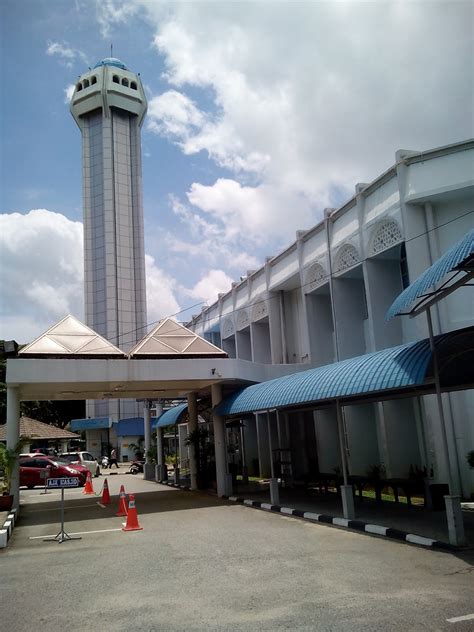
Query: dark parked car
(33, 471)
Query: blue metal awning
(90, 424)
(459, 260)
(132, 427)
(171, 416)
(393, 369)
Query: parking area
(205, 564)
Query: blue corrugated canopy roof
(90, 424)
(392, 369)
(452, 261)
(132, 427)
(171, 416)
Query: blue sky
(261, 114)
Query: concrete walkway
(414, 519)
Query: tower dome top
(111, 61)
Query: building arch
(115, 79)
(125, 82)
(316, 275)
(133, 85)
(227, 328)
(86, 83)
(259, 309)
(347, 257)
(243, 319)
(387, 234)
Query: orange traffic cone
(88, 489)
(105, 500)
(132, 518)
(122, 508)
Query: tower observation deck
(109, 106)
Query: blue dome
(111, 61)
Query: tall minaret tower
(109, 106)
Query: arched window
(86, 83)
(385, 236)
(315, 276)
(93, 80)
(115, 79)
(125, 82)
(347, 257)
(79, 87)
(133, 85)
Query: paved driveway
(203, 564)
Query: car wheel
(97, 472)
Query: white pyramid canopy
(71, 337)
(170, 338)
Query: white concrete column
(224, 479)
(13, 436)
(148, 468)
(192, 428)
(147, 428)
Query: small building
(38, 435)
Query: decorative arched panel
(243, 320)
(346, 258)
(315, 276)
(385, 236)
(259, 309)
(227, 328)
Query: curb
(354, 525)
(7, 528)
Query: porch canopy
(404, 370)
(171, 416)
(454, 269)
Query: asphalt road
(203, 564)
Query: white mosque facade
(324, 299)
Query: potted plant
(8, 458)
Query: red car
(33, 471)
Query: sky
(260, 115)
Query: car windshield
(69, 458)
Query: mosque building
(334, 359)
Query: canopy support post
(161, 472)
(274, 491)
(148, 468)
(347, 493)
(452, 503)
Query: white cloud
(66, 53)
(160, 289)
(41, 275)
(315, 95)
(209, 286)
(174, 114)
(256, 212)
(111, 13)
(68, 92)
